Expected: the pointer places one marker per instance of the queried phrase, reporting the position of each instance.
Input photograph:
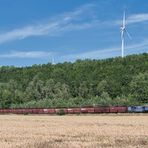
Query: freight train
(78, 110)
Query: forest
(112, 81)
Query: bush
(61, 112)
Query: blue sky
(34, 31)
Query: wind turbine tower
(123, 31)
(53, 61)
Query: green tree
(105, 99)
(61, 91)
(139, 87)
(83, 89)
(6, 99)
(102, 87)
(34, 91)
(49, 89)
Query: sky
(38, 31)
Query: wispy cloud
(136, 18)
(74, 20)
(83, 17)
(132, 19)
(95, 54)
(109, 52)
(26, 54)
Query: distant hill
(113, 81)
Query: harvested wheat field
(73, 131)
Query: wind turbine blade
(122, 34)
(123, 19)
(129, 36)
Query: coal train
(77, 110)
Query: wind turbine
(53, 61)
(123, 31)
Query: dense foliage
(113, 81)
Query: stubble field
(74, 131)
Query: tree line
(113, 81)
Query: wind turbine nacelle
(122, 28)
